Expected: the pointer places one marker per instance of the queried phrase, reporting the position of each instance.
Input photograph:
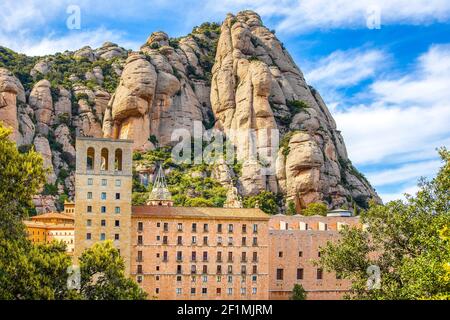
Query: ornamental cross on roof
(160, 190)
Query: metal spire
(160, 190)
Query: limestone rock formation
(236, 77)
(42, 146)
(102, 98)
(41, 101)
(156, 96)
(63, 106)
(128, 114)
(41, 67)
(27, 127)
(62, 135)
(11, 92)
(256, 85)
(86, 53)
(109, 51)
(44, 203)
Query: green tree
(298, 293)
(315, 208)
(103, 275)
(265, 200)
(29, 271)
(407, 240)
(21, 177)
(291, 210)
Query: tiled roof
(199, 212)
(53, 215)
(35, 224)
(49, 226)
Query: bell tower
(103, 182)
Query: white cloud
(346, 68)
(427, 86)
(304, 15)
(408, 116)
(70, 41)
(404, 173)
(400, 195)
(377, 134)
(407, 120)
(287, 15)
(16, 15)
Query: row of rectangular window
(102, 209)
(102, 223)
(321, 226)
(165, 241)
(102, 196)
(104, 182)
(300, 254)
(300, 273)
(179, 291)
(254, 278)
(218, 291)
(219, 270)
(102, 236)
(179, 256)
(194, 227)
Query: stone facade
(294, 242)
(197, 253)
(200, 253)
(103, 182)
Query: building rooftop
(339, 213)
(104, 139)
(199, 212)
(49, 226)
(53, 215)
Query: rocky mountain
(233, 76)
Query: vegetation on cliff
(190, 185)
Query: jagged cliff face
(236, 76)
(257, 85)
(162, 88)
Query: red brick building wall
(294, 243)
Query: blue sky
(388, 88)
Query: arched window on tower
(118, 160)
(105, 159)
(90, 158)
